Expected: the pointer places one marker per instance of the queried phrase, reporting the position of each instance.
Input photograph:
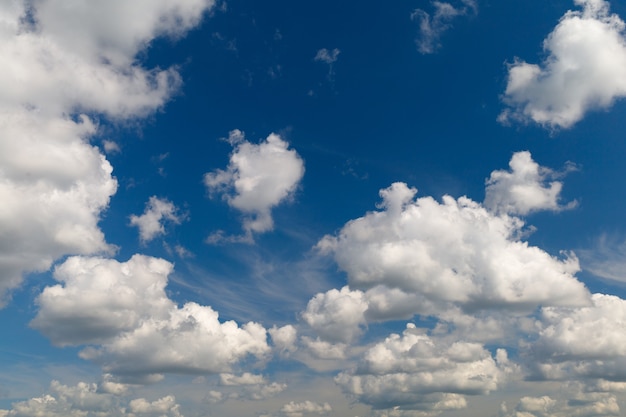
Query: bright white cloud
(584, 70)
(61, 60)
(284, 338)
(432, 27)
(414, 370)
(253, 387)
(150, 223)
(258, 178)
(137, 330)
(524, 189)
(336, 316)
(451, 252)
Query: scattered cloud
(85, 399)
(122, 311)
(327, 56)
(111, 147)
(300, 409)
(416, 371)
(150, 223)
(433, 26)
(584, 70)
(525, 188)
(258, 178)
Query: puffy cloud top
(258, 177)
(139, 331)
(585, 69)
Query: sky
(294, 209)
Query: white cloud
(258, 178)
(64, 60)
(321, 349)
(523, 189)
(432, 27)
(284, 338)
(606, 259)
(584, 70)
(150, 223)
(414, 370)
(123, 310)
(585, 343)
(88, 400)
(336, 316)
(111, 147)
(582, 405)
(299, 409)
(327, 56)
(451, 252)
(254, 387)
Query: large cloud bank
(63, 65)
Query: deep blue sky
(381, 111)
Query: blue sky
(327, 209)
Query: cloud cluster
(135, 330)
(299, 409)
(89, 400)
(584, 70)
(455, 252)
(414, 370)
(465, 265)
(150, 223)
(258, 178)
(63, 65)
(432, 27)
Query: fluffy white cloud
(165, 406)
(61, 60)
(336, 316)
(258, 178)
(139, 331)
(299, 409)
(414, 370)
(150, 223)
(284, 338)
(523, 189)
(587, 342)
(584, 70)
(433, 27)
(451, 252)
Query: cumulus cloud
(584, 70)
(433, 26)
(299, 409)
(258, 178)
(581, 405)
(524, 189)
(454, 252)
(150, 223)
(63, 61)
(336, 316)
(88, 400)
(135, 330)
(284, 338)
(252, 387)
(417, 371)
(586, 343)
